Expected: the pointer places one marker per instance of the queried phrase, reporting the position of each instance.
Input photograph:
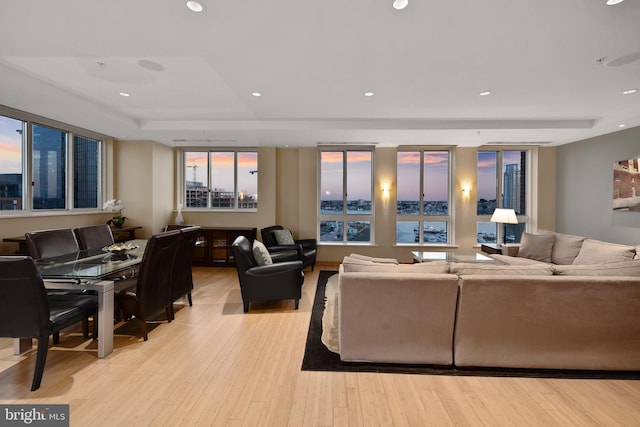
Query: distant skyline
(222, 170)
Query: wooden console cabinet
(214, 245)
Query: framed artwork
(626, 185)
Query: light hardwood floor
(215, 365)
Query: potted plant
(116, 207)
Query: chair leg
(143, 325)
(189, 298)
(85, 327)
(168, 310)
(56, 338)
(43, 348)
(246, 306)
(297, 303)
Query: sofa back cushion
(565, 248)
(502, 270)
(622, 268)
(597, 252)
(374, 259)
(352, 265)
(537, 246)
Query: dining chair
(153, 283)
(50, 244)
(181, 277)
(26, 311)
(94, 236)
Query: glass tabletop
(90, 264)
(453, 257)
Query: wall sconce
(385, 190)
(466, 190)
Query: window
(221, 179)
(51, 187)
(422, 206)
(86, 177)
(346, 188)
(12, 134)
(501, 173)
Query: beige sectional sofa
(525, 313)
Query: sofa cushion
(565, 248)
(284, 237)
(536, 246)
(351, 265)
(261, 254)
(515, 260)
(502, 270)
(622, 268)
(374, 259)
(597, 252)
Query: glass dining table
(93, 270)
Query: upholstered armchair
(278, 281)
(277, 239)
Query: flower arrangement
(116, 207)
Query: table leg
(105, 321)
(22, 345)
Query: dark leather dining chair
(94, 236)
(181, 277)
(26, 311)
(278, 281)
(153, 283)
(307, 248)
(51, 244)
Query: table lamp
(504, 216)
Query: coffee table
(452, 257)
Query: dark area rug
(318, 358)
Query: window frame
(345, 217)
(182, 197)
(28, 122)
(421, 218)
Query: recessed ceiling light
(195, 6)
(256, 94)
(125, 94)
(485, 93)
(400, 4)
(629, 91)
(369, 94)
(612, 2)
(621, 125)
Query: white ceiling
(313, 60)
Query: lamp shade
(504, 216)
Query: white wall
(584, 189)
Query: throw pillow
(284, 237)
(261, 254)
(597, 252)
(536, 246)
(623, 268)
(565, 248)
